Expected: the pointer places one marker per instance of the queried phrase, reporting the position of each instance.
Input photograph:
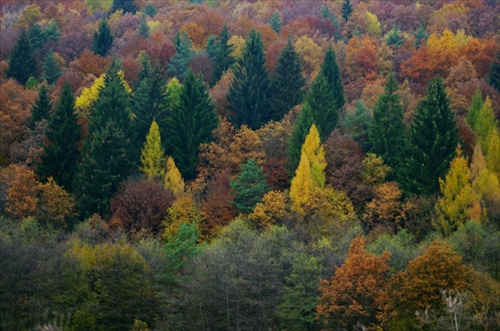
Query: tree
(324, 109)
(223, 59)
(330, 69)
(346, 10)
(128, 6)
(150, 9)
(41, 109)
(56, 206)
(302, 185)
(103, 39)
(191, 123)
(287, 83)
(178, 66)
(36, 36)
(22, 63)
(51, 70)
(297, 138)
(357, 124)
(486, 123)
(494, 76)
(249, 92)
(106, 155)
(249, 186)
(153, 155)
(432, 142)
(358, 293)
(22, 193)
(275, 22)
(179, 248)
(475, 109)
(316, 155)
(143, 27)
(387, 130)
(173, 179)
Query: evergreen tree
(103, 39)
(146, 65)
(387, 131)
(420, 35)
(150, 10)
(51, 70)
(190, 124)
(211, 47)
(60, 152)
(36, 36)
(143, 26)
(432, 142)
(248, 94)
(330, 69)
(40, 109)
(249, 186)
(51, 31)
(394, 37)
(128, 6)
(153, 155)
(222, 59)
(475, 109)
(22, 63)
(287, 83)
(106, 153)
(178, 66)
(486, 122)
(297, 138)
(494, 75)
(346, 10)
(323, 106)
(275, 22)
(356, 124)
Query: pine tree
(275, 22)
(394, 37)
(249, 186)
(287, 83)
(152, 154)
(330, 69)
(324, 109)
(143, 27)
(494, 76)
(432, 142)
(475, 109)
(150, 10)
(60, 152)
(178, 66)
(40, 109)
(51, 31)
(420, 35)
(51, 70)
(146, 66)
(127, 6)
(248, 94)
(22, 63)
(36, 36)
(173, 179)
(191, 123)
(387, 131)
(346, 10)
(106, 153)
(356, 124)
(316, 155)
(103, 39)
(223, 59)
(211, 47)
(297, 138)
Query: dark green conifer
(346, 10)
(40, 109)
(60, 150)
(178, 66)
(211, 47)
(324, 108)
(22, 63)
(356, 124)
(420, 35)
(222, 59)
(494, 76)
(190, 124)
(128, 6)
(52, 32)
(248, 94)
(330, 69)
(143, 26)
(287, 83)
(150, 10)
(51, 70)
(275, 22)
(37, 36)
(394, 37)
(432, 142)
(103, 39)
(297, 138)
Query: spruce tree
(178, 66)
(297, 138)
(40, 109)
(346, 10)
(211, 47)
(248, 94)
(330, 69)
(103, 39)
(60, 152)
(52, 32)
(143, 26)
(387, 131)
(51, 70)
(153, 155)
(249, 186)
(420, 35)
(275, 22)
(190, 124)
(22, 63)
(356, 124)
(150, 10)
(36, 36)
(287, 83)
(222, 59)
(494, 76)
(325, 110)
(106, 153)
(432, 142)
(128, 6)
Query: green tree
(394, 37)
(223, 59)
(420, 35)
(153, 155)
(211, 47)
(494, 76)
(324, 108)
(178, 66)
(287, 85)
(103, 39)
(248, 94)
(106, 153)
(387, 131)
(36, 36)
(330, 69)
(51, 31)
(475, 109)
(22, 63)
(143, 26)
(128, 6)
(249, 186)
(40, 109)
(297, 138)
(150, 10)
(432, 142)
(346, 10)
(275, 22)
(486, 123)
(180, 247)
(357, 123)
(60, 151)
(51, 70)
(191, 123)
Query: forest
(249, 165)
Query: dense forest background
(249, 165)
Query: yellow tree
(152, 154)
(173, 178)
(316, 155)
(485, 184)
(493, 151)
(302, 185)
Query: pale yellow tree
(315, 152)
(302, 185)
(173, 178)
(152, 154)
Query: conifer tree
(143, 26)
(51, 31)
(316, 155)
(302, 185)
(51, 70)
(22, 63)
(223, 59)
(173, 179)
(387, 131)
(330, 69)
(249, 186)
(152, 154)
(346, 10)
(211, 47)
(357, 124)
(178, 66)
(494, 76)
(106, 153)
(190, 124)
(323, 106)
(287, 83)
(432, 142)
(146, 66)
(475, 109)
(60, 152)
(275, 22)
(492, 152)
(40, 109)
(297, 138)
(420, 35)
(248, 94)
(36, 36)
(128, 6)
(103, 39)
(150, 10)
(486, 122)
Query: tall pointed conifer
(330, 69)
(103, 39)
(22, 63)
(40, 109)
(223, 59)
(297, 138)
(323, 106)
(153, 155)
